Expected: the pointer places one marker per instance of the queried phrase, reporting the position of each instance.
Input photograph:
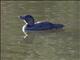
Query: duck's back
(41, 26)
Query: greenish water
(47, 45)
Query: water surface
(47, 45)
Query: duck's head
(28, 19)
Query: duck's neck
(28, 24)
(25, 22)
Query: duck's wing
(43, 25)
(48, 25)
(38, 22)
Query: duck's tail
(58, 26)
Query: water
(46, 45)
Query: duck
(31, 25)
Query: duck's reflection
(39, 34)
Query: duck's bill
(21, 17)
